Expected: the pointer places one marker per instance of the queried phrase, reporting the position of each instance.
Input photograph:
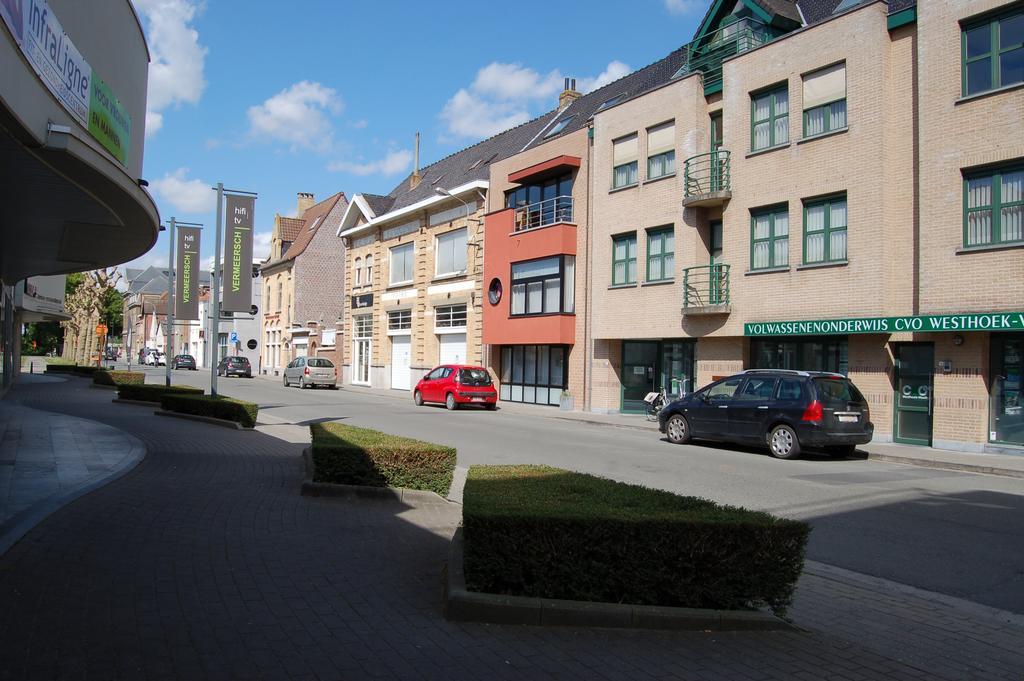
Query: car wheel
(285, 381)
(783, 443)
(302, 384)
(450, 403)
(491, 407)
(417, 398)
(678, 429)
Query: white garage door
(400, 374)
(453, 348)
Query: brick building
(303, 284)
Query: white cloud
(395, 162)
(261, 245)
(177, 58)
(187, 196)
(505, 95)
(684, 6)
(297, 115)
(360, 124)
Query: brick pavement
(205, 562)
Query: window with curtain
(825, 230)
(369, 270)
(401, 264)
(769, 238)
(992, 52)
(624, 162)
(994, 207)
(545, 286)
(359, 272)
(451, 252)
(661, 153)
(661, 254)
(769, 118)
(825, 100)
(624, 259)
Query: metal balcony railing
(707, 53)
(543, 213)
(706, 173)
(705, 285)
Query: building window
(825, 100)
(533, 373)
(559, 126)
(459, 211)
(402, 264)
(661, 257)
(359, 272)
(661, 153)
(400, 320)
(825, 230)
(624, 259)
(545, 286)
(769, 118)
(624, 157)
(807, 353)
(450, 317)
(769, 238)
(541, 204)
(994, 207)
(362, 326)
(992, 52)
(369, 270)
(451, 253)
(280, 295)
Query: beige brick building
(844, 178)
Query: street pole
(169, 341)
(213, 340)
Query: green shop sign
(995, 321)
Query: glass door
(639, 366)
(716, 144)
(1006, 418)
(715, 293)
(676, 370)
(913, 396)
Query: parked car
(155, 358)
(781, 409)
(454, 385)
(311, 372)
(183, 362)
(234, 365)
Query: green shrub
(85, 371)
(62, 368)
(106, 377)
(349, 455)
(217, 407)
(153, 393)
(549, 533)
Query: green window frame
(661, 256)
(994, 206)
(826, 90)
(624, 259)
(769, 118)
(992, 52)
(769, 237)
(825, 229)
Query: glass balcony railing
(707, 53)
(543, 213)
(706, 178)
(705, 286)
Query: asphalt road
(958, 534)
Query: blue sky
(325, 95)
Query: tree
(86, 303)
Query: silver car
(311, 372)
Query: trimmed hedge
(217, 407)
(85, 370)
(153, 393)
(106, 377)
(550, 533)
(348, 455)
(60, 368)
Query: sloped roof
(308, 225)
(819, 10)
(290, 228)
(379, 204)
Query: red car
(456, 384)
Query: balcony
(706, 180)
(706, 290)
(543, 213)
(706, 54)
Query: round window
(252, 344)
(494, 291)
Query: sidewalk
(1006, 465)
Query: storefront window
(1006, 406)
(533, 373)
(804, 354)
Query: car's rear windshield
(838, 391)
(318, 362)
(474, 377)
(240, 360)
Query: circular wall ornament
(494, 291)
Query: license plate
(848, 418)
(478, 399)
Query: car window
(724, 390)
(789, 389)
(446, 372)
(757, 388)
(320, 362)
(474, 377)
(836, 391)
(300, 362)
(433, 375)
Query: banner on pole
(237, 270)
(187, 267)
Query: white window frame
(404, 317)
(391, 264)
(437, 252)
(439, 329)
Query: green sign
(109, 123)
(994, 321)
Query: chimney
(414, 180)
(305, 202)
(569, 94)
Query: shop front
(533, 374)
(1006, 406)
(650, 365)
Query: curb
(461, 605)
(99, 386)
(224, 423)
(331, 489)
(946, 465)
(139, 403)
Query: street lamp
(444, 192)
